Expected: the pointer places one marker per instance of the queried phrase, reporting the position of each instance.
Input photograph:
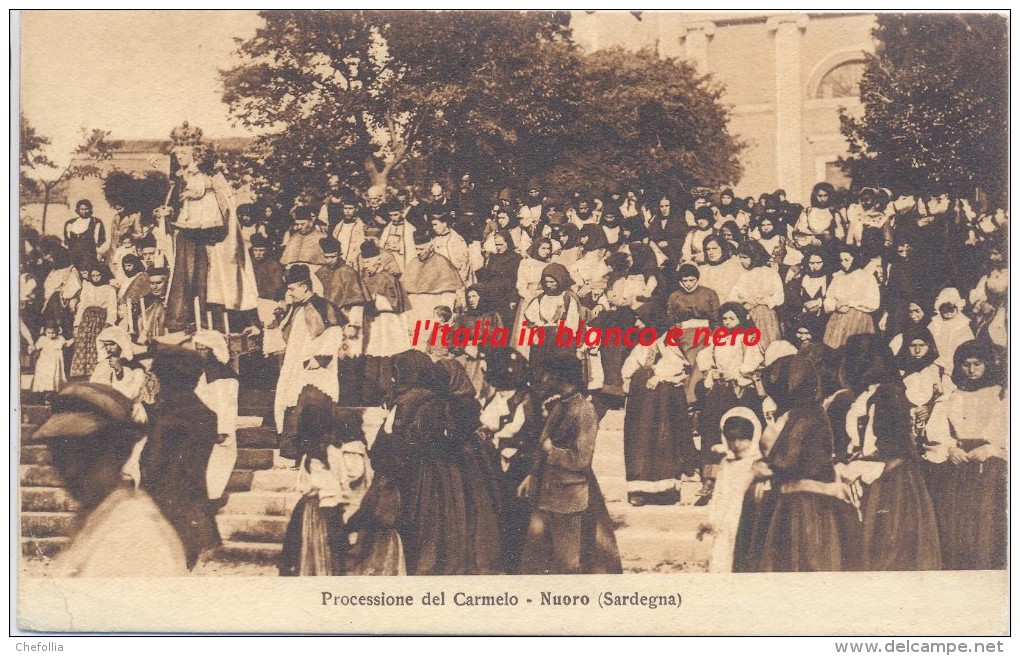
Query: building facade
(786, 75)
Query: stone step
(259, 437)
(38, 547)
(254, 459)
(47, 524)
(258, 553)
(240, 480)
(247, 528)
(39, 476)
(674, 519)
(641, 542)
(269, 504)
(47, 499)
(274, 480)
(258, 398)
(35, 454)
(34, 414)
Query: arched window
(843, 81)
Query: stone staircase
(261, 496)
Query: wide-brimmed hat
(82, 409)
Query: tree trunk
(46, 205)
(377, 176)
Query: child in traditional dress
(741, 431)
(49, 365)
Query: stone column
(696, 37)
(789, 92)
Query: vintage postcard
(512, 322)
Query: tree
(651, 119)
(936, 103)
(368, 94)
(94, 149)
(136, 193)
(32, 158)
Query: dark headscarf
(723, 244)
(559, 273)
(823, 186)
(740, 311)
(906, 362)
(503, 264)
(859, 259)
(454, 379)
(826, 362)
(484, 302)
(772, 219)
(596, 237)
(734, 230)
(133, 260)
(982, 351)
(867, 360)
(731, 208)
(506, 369)
(412, 368)
(755, 251)
(177, 368)
(827, 267)
(792, 381)
(533, 249)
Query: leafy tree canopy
(504, 95)
(936, 104)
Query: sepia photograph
(585, 321)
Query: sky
(135, 73)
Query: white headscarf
(743, 413)
(118, 336)
(949, 295)
(215, 342)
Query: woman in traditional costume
(759, 289)
(84, 236)
(851, 298)
(805, 530)
(97, 309)
(899, 532)
(658, 444)
(968, 432)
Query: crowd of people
(865, 430)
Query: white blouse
(858, 289)
(758, 286)
(977, 415)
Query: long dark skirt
(658, 445)
(437, 513)
(613, 355)
(483, 498)
(899, 528)
(315, 540)
(804, 534)
(972, 513)
(755, 517)
(377, 549)
(86, 355)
